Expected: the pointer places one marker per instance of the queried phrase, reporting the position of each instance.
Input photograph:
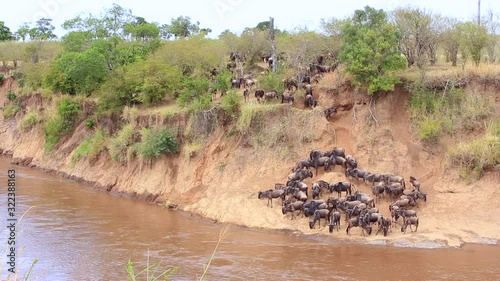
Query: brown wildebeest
(270, 194)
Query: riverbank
(221, 178)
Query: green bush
(89, 123)
(29, 121)
(90, 147)
(231, 103)
(54, 130)
(157, 141)
(69, 111)
(2, 78)
(272, 82)
(195, 93)
(11, 96)
(11, 110)
(430, 129)
(61, 123)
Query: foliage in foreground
(61, 122)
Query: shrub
(480, 154)
(69, 111)
(29, 121)
(2, 78)
(61, 122)
(231, 103)
(11, 96)
(54, 130)
(90, 147)
(195, 93)
(119, 145)
(272, 82)
(430, 129)
(89, 123)
(157, 141)
(11, 110)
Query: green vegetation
(476, 156)
(30, 120)
(11, 110)
(151, 272)
(2, 78)
(231, 103)
(90, 147)
(437, 113)
(156, 142)
(119, 145)
(61, 122)
(370, 50)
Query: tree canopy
(370, 50)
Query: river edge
(417, 242)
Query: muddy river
(78, 233)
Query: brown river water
(78, 233)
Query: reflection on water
(78, 233)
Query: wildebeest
(287, 97)
(318, 215)
(378, 189)
(355, 173)
(359, 222)
(415, 183)
(402, 203)
(292, 207)
(309, 89)
(259, 94)
(363, 198)
(249, 83)
(336, 160)
(302, 186)
(235, 83)
(306, 163)
(373, 177)
(394, 189)
(290, 83)
(341, 186)
(392, 178)
(351, 162)
(316, 77)
(409, 221)
(270, 194)
(334, 221)
(310, 102)
(246, 94)
(329, 112)
(320, 161)
(317, 188)
(271, 95)
(300, 175)
(297, 193)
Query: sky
(234, 15)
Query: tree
(473, 39)
(370, 50)
(413, 26)
(77, 73)
(490, 21)
(140, 29)
(23, 31)
(451, 41)
(5, 34)
(182, 27)
(43, 30)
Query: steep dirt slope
(221, 182)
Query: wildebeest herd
(358, 207)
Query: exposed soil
(222, 180)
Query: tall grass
(252, 113)
(152, 272)
(90, 147)
(476, 156)
(118, 145)
(30, 120)
(438, 113)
